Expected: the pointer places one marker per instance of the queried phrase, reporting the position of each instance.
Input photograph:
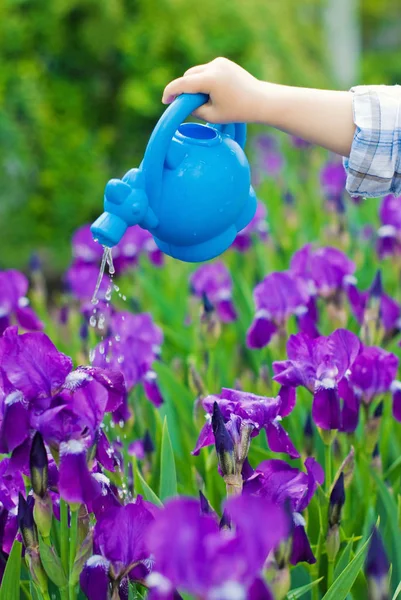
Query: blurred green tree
(80, 89)
(81, 82)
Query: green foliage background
(80, 89)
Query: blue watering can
(192, 190)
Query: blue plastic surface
(192, 190)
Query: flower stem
(73, 548)
(330, 573)
(328, 467)
(211, 371)
(234, 485)
(64, 533)
(316, 566)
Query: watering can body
(192, 190)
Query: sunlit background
(81, 83)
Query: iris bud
(308, 435)
(26, 522)
(38, 464)
(336, 503)
(223, 442)
(376, 569)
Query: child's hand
(232, 91)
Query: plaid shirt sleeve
(374, 166)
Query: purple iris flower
(14, 305)
(11, 485)
(257, 227)
(213, 281)
(389, 311)
(132, 347)
(193, 554)
(277, 297)
(121, 546)
(324, 269)
(280, 483)
(389, 234)
(320, 365)
(277, 481)
(241, 409)
(39, 391)
(373, 373)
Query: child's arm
(322, 117)
(363, 124)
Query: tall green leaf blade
(143, 487)
(168, 475)
(343, 584)
(301, 591)
(10, 585)
(344, 559)
(52, 564)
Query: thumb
(190, 84)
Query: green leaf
(143, 487)
(84, 552)
(343, 584)
(131, 593)
(35, 592)
(391, 509)
(344, 559)
(10, 589)
(301, 591)
(52, 564)
(393, 471)
(397, 592)
(168, 476)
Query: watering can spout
(125, 204)
(108, 229)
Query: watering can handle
(159, 142)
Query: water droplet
(92, 354)
(108, 293)
(117, 337)
(117, 289)
(120, 360)
(109, 258)
(124, 297)
(102, 349)
(92, 321)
